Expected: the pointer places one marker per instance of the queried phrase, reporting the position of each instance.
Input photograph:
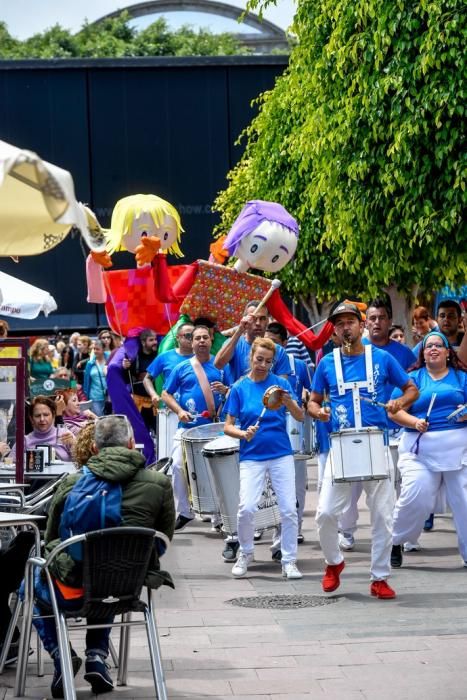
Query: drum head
(272, 397)
(204, 433)
(222, 445)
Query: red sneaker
(381, 589)
(331, 579)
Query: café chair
(115, 565)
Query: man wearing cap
(372, 369)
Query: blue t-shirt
(245, 404)
(400, 352)
(240, 362)
(165, 363)
(450, 391)
(183, 381)
(299, 377)
(386, 370)
(403, 354)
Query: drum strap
(355, 386)
(198, 369)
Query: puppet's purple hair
(252, 215)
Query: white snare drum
(203, 492)
(295, 433)
(167, 424)
(358, 455)
(222, 456)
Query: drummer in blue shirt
(264, 448)
(375, 370)
(164, 363)
(197, 383)
(378, 323)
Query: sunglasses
(188, 336)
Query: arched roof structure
(266, 37)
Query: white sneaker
(290, 570)
(241, 565)
(412, 547)
(346, 541)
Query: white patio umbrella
(22, 300)
(38, 207)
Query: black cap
(345, 308)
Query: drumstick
(456, 412)
(275, 284)
(261, 415)
(415, 446)
(372, 401)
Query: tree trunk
(402, 309)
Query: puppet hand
(147, 250)
(102, 258)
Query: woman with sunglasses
(433, 447)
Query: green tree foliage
(361, 139)
(115, 38)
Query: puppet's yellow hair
(130, 208)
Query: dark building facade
(160, 126)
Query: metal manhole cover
(282, 602)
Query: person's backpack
(92, 504)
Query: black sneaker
(57, 681)
(230, 551)
(429, 522)
(277, 555)
(97, 675)
(396, 556)
(258, 535)
(182, 522)
(300, 538)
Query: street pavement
(354, 648)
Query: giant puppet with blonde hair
(145, 225)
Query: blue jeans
(97, 407)
(97, 640)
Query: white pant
(252, 480)
(334, 499)
(419, 489)
(349, 518)
(179, 480)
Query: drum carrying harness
(368, 384)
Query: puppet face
(144, 225)
(268, 247)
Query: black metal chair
(115, 565)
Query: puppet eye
(166, 235)
(275, 259)
(254, 248)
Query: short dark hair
(253, 302)
(380, 303)
(203, 321)
(201, 325)
(449, 304)
(146, 333)
(278, 329)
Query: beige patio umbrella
(38, 207)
